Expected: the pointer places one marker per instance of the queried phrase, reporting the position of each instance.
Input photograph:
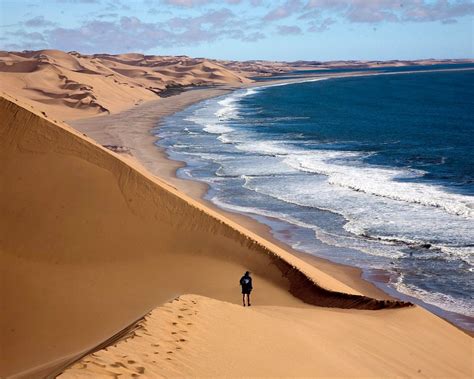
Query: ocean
(375, 172)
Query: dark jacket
(246, 283)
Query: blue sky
(244, 29)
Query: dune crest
(89, 243)
(195, 336)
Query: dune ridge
(185, 338)
(73, 85)
(301, 284)
(120, 241)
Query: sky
(285, 30)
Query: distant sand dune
(102, 83)
(89, 243)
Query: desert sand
(71, 85)
(269, 68)
(196, 336)
(103, 264)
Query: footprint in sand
(140, 370)
(169, 352)
(130, 361)
(182, 340)
(98, 364)
(173, 333)
(175, 323)
(189, 323)
(179, 316)
(118, 364)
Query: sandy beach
(123, 269)
(137, 142)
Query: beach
(274, 154)
(138, 142)
(130, 272)
(166, 169)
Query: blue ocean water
(375, 172)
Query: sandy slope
(199, 336)
(89, 244)
(129, 133)
(71, 85)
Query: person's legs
(248, 299)
(243, 299)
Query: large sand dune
(89, 243)
(71, 85)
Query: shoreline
(154, 159)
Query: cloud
(126, 34)
(38, 22)
(29, 36)
(133, 34)
(79, 1)
(107, 15)
(186, 3)
(375, 11)
(441, 10)
(214, 18)
(288, 29)
(252, 37)
(115, 5)
(285, 10)
(25, 40)
(197, 3)
(114, 27)
(320, 26)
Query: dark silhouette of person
(246, 284)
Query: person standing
(246, 284)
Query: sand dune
(71, 85)
(195, 336)
(89, 243)
(268, 68)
